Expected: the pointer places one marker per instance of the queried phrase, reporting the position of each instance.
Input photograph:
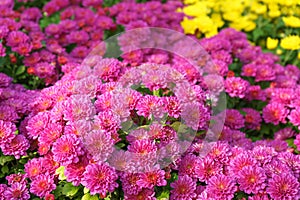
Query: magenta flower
(183, 188)
(284, 133)
(17, 147)
(294, 117)
(221, 187)
(234, 119)
(150, 105)
(17, 191)
(15, 38)
(239, 162)
(79, 107)
(236, 87)
(252, 179)
(130, 183)
(34, 167)
(152, 178)
(16, 178)
(189, 165)
(67, 149)
(74, 172)
(254, 92)
(107, 121)
(99, 144)
(42, 185)
(252, 118)
(7, 132)
(208, 167)
(283, 186)
(99, 179)
(275, 113)
(264, 73)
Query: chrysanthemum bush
(136, 127)
(274, 25)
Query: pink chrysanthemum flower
(37, 123)
(152, 178)
(276, 167)
(252, 118)
(17, 191)
(52, 132)
(283, 186)
(74, 172)
(154, 79)
(234, 119)
(15, 38)
(3, 188)
(195, 115)
(236, 86)
(278, 145)
(107, 121)
(172, 106)
(103, 102)
(130, 183)
(189, 165)
(284, 133)
(16, 178)
(220, 152)
(221, 187)
(7, 132)
(108, 69)
(249, 70)
(79, 107)
(292, 161)
(183, 188)
(283, 95)
(239, 162)
(150, 105)
(294, 117)
(99, 179)
(208, 167)
(251, 179)
(17, 147)
(42, 185)
(275, 113)
(254, 92)
(34, 167)
(263, 154)
(67, 149)
(264, 73)
(99, 144)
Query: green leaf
(85, 190)
(61, 172)
(257, 33)
(5, 159)
(69, 190)
(87, 196)
(5, 169)
(20, 70)
(164, 195)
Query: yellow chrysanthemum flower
(189, 25)
(292, 21)
(298, 55)
(272, 43)
(291, 42)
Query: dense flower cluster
(143, 126)
(271, 24)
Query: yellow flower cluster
(206, 17)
